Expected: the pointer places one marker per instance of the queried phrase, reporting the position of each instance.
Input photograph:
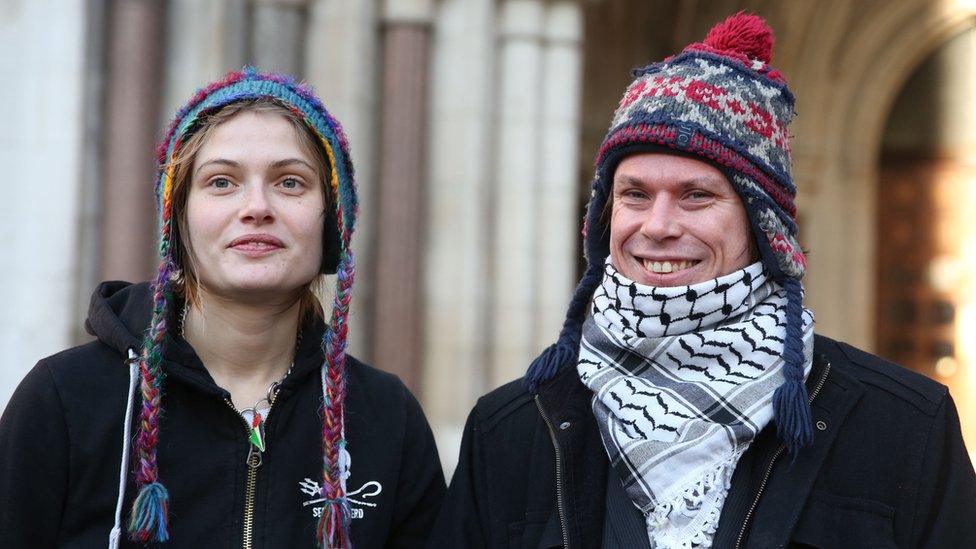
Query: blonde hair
(187, 283)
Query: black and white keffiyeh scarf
(683, 381)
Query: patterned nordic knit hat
(720, 101)
(148, 521)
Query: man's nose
(662, 219)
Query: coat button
(822, 425)
(564, 425)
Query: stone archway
(846, 61)
(847, 74)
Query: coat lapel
(791, 481)
(584, 461)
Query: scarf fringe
(701, 496)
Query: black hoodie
(61, 447)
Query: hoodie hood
(118, 314)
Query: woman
(249, 415)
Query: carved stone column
(558, 221)
(517, 171)
(205, 40)
(278, 35)
(134, 74)
(401, 192)
(456, 264)
(341, 59)
(42, 67)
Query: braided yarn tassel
(333, 527)
(150, 511)
(791, 403)
(148, 522)
(149, 514)
(566, 349)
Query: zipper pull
(254, 457)
(256, 438)
(257, 427)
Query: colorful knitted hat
(148, 522)
(718, 100)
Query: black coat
(887, 468)
(60, 447)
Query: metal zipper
(253, 461)
(559, 474)
(772, 462)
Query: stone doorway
(926, 229)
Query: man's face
(676, 221)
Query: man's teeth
(665, 267)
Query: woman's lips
(256, 244)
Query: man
(687, 402)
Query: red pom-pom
(743, 33)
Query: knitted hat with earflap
(720, 101)
(148, 521)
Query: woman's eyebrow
(219, 162)
(289, 162)
(274, 165)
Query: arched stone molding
(845, 93)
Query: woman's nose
(257, 208)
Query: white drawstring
(113, 538)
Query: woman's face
(255, 210)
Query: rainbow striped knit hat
(148, 522)
(718, 100)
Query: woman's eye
(220, 183)
(291, 184)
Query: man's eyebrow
(702, 180)
(627, 180)
(633, 181)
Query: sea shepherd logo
(357, 503)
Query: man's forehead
(630, 179)
(655, 166)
